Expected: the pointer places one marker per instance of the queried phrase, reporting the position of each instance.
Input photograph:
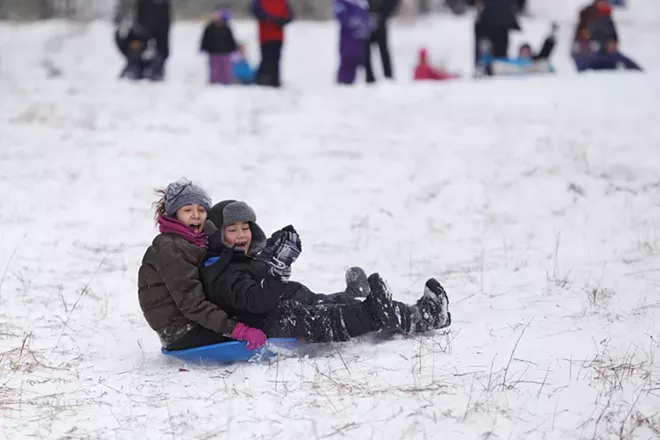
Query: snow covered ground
(535, 201)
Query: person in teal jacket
(243, 72)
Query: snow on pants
(221, 70)
(328, 322)
(319, 323)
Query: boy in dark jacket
(218, 41)
(249, 278)
(273, 16)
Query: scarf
(169, 225)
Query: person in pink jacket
(424, 71)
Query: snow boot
(380, 304)
(357, 284)
(432, 310)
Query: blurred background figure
(524, 63)
(595, 27)
(495, 19)
(355, 26)
(155, 18)
(425, 72)
(218, 41)
(609, 58)
(525, 52)
(132, 41)
(243, 72)
(381, 11)
(273, 16)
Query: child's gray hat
(183, 192)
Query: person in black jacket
(155, 17)
(381, 11)
(248, 277)
(218, 41)
(132, 43)
(491, 29)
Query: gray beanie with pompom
(183, 192)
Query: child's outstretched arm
(182, 281)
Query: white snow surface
(535, 201)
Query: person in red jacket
(273, 15)
(424, 71)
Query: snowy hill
(536, 202)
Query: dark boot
(385, 312)
(357, 284)
(432, 310)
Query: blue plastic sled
(233, 351)
(515, 66)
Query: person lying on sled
(425, 71)
(609, 58)
(527, 61)
(248, 275)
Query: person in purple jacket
(355, 29)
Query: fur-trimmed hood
(228, 212)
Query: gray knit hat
(228, 212)
(183, 192)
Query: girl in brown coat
(169, 289)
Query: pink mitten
(254, 337)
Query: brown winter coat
(170, 292)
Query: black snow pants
(379, 37)
(331, 318)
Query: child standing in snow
(218, 41)
(243, 72)
(248, 277)
(169, 290)
(355, 29)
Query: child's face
(239, 235)
(193, 216)
(525, 52)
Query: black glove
(282, 249)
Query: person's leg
(197, 337)
(213, 69)
(499, 38)
(357, 286)
(385, 51)
(262, 75)
(430, 312)
(368, 66)
(277, 58)
(347, 70)
(226, 69)
(320, 323)
(478, 37)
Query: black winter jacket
(383, 8)
(497, 14)
(243, 287)
(218, 39)
(155, 16)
